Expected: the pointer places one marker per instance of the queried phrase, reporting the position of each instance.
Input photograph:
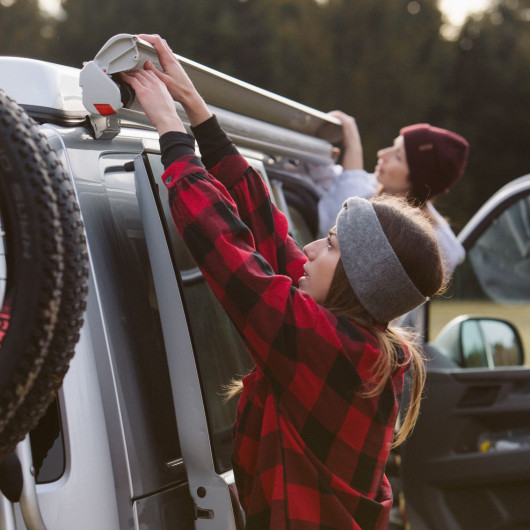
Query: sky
(455, 10)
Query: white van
(139, 435)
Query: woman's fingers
(176, 80)
(165, 53)
(173, 75)
(155, 100)
(342, 116)
(130, 79)
(149, 66)
(140, 79)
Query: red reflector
(104, 109)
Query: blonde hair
(412, 200)
(410, 234)
(341, 301)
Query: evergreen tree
(388, 62)
(23, 29)
(489, 94)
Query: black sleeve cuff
(213, 142)
(174, 144)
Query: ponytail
(398, 348)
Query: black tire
(50, 289)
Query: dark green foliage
(488, 97)
(20, 29)
(382, 61)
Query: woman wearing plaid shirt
(315, 418)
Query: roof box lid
(34, 83)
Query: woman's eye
(330, 245)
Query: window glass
(473, 346)
(47, 446)
(494, 279)
(300, 196)
(221, 354)
(300, 230)
(133, 330)
(501, 342)
(501, 256)
(139, 364)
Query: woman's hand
(177, 81)
(353, 149)
(155, 100)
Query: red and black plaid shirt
(309, 447)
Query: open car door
(467, 463)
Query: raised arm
(288, 334)
(267, 224)
(353, 148)
(353, 181)
(177, 81)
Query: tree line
(383, 61)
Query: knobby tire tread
(52, 289)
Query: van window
(136, 363)
(47, 446)
(220, 353)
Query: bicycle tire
(37, 354)
(72, 303)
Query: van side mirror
(481, 342)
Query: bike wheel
(46, 273)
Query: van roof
(42, 85)
(51, 92)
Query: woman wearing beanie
(316, 416)
(424, 162)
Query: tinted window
(47, 446)
(219, 350)
(138, 365)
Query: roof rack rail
(52, 93)
(232, 94)
(104, 93)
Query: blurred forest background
(389, 63)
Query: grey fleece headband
(375, 273)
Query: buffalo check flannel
(309, 448)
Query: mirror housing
(481, 342)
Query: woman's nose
(382, 152)
(309, 250)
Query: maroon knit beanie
(436, 158)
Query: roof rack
(51, 93)
(232, 94)
(104, 93)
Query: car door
(203, 353)
(467, 463)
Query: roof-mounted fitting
(104, 93)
